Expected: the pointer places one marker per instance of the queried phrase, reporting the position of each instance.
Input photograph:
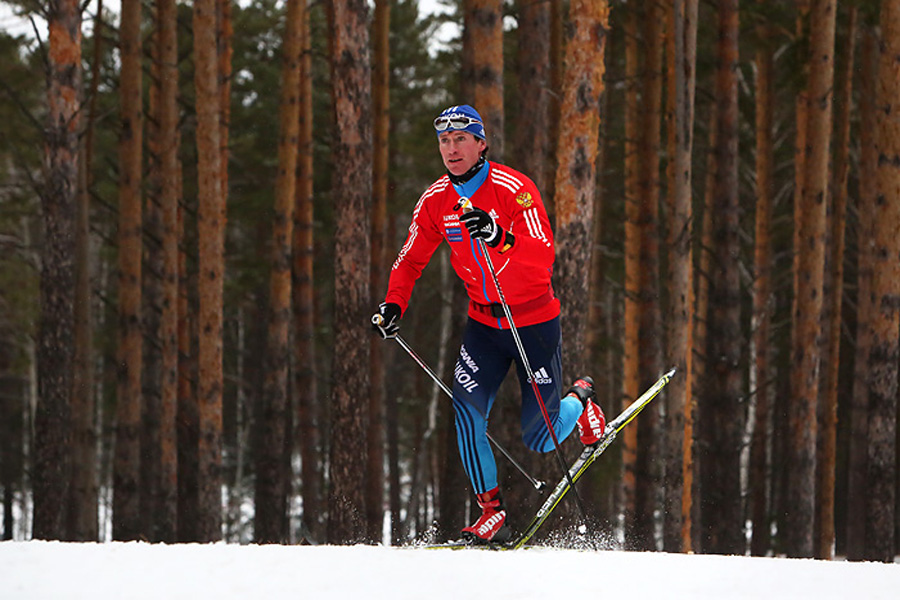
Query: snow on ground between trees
(44, 570)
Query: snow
(43, 570)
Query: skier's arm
(421, 242)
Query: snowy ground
(55, 570)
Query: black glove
(482, 225)
(386, 321)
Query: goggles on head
(454, 122)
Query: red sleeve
(421, 242)
(531, 228)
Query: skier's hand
(482, 225)
(386, 322)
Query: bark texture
(532, 137)
(576, 175)
(211, 267)
(381, 138)
(308, 412)
(351, 93)
(484, 26)
(857, 459)
(681, 53)
(127, 462)
(722, 411)
(834, 288)
(884, 324)
(82, 522)
(55, 333)
(806, 353)
(272, 483)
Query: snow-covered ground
(55, 570)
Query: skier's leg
(477, 376)
(543, 345)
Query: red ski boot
(592, 421)
(491, 525)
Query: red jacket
(524, 270)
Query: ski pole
(538, 484)
(466, 206)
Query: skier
(507, 213)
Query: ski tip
(670, 373)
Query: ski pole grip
(377, 320)
(465, 204)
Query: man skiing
(505, 211)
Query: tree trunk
(800, 143)
(308, 414)
(224, 51)
(682, 49)
(127, 464)
(857, 459)
(532, 136)
(12, 429)
(801, 501)
(632, 249)
(351, 93)
(597, 268)
(151, 308)
(576, 175)
(884, 323)
(224, 33)
(454, 486)
(82, 522)
(211, 234)
(801, 109)
(649, 445)
(484, 25)
(392, 451)
(271, 485)
(438, 404)
(833, 297)
(701, 317)
(762, 290)
(55, 333)
(381, 117)
(722, 408)
(169, 193)
(187, 416)
(555, 85)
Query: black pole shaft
(537, 483)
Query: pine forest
(200, 204)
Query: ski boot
(592, 421)
(491, 525)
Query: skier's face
(460, 150)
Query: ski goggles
(454, 122)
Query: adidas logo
(542, 377)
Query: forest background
(199, 205)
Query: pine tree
(351, 93)
(211, 236)
(127, 465)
